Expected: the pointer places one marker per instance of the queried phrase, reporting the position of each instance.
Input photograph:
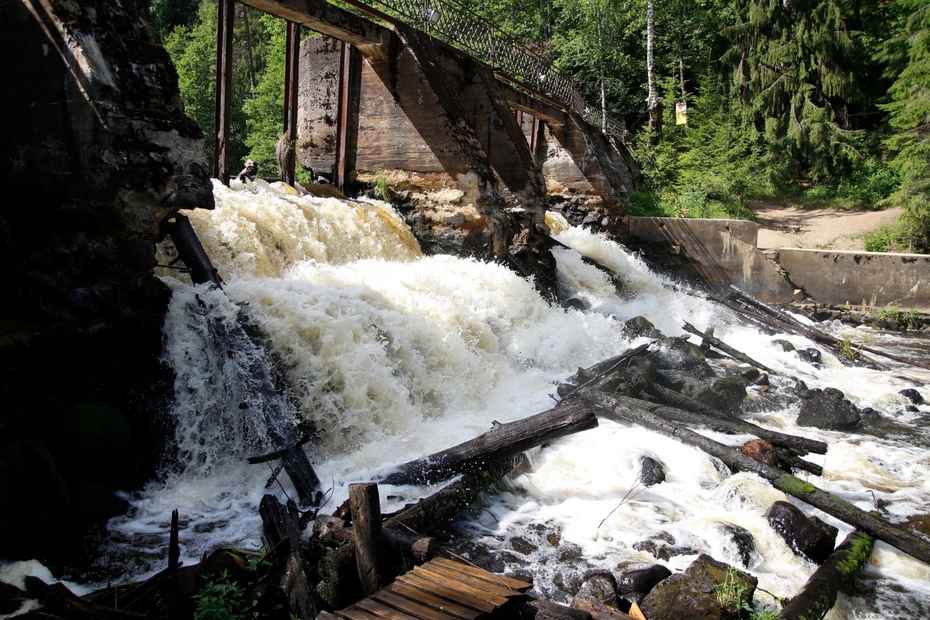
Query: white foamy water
(390, 356)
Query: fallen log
(907, 542)
(788, 460)
(431, 512)
(824, 339)
(280, 524)
(720, 345)
(502, 441)
(723, 424)
(818, 595)
(192, 254)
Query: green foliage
(909, 117)
(788, 63)
(381, 191)
(265, 107)
(166, 15)
(222, 598)
(732, 595)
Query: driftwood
(907, 542)
(788, 460)
(718, 344)
(431, 512)
(818, 336)
(369, 545)
(502, 441)
(174, 548)
(723, 424)
(818, 595)
(280, 525)
(57, 597)
(192, 254)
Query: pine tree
(910, 120)
(787, 59)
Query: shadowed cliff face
(97, 155)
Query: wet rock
(760, 450)
(752, 376)
(807, 536)
(912, 409)
(521, 545)
(634, 585)
(811, 356)
(828, 409)
(633, 378)
(912, 395)
(599, 587)
(707, 590)
(652, 471)
(868, 414)
(664, 547)
(785, 345)
(742, 546)
(576, 303)
(677, 354)
(725, 395)
(638, 327)
(800, 386)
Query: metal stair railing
(466, 31)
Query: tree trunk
(722, 346)
(818, 595)
(192, 254)
(280, 523)
(502, 441)
(369, 545)
(722, 424)
(431, 512)
(653, 106)
(909, 543)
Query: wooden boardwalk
(439, 590)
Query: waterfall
(391, 355)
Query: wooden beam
(224, 57)
(291, 87)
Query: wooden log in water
(907, 542)
(370, 555)
(724, 347)
(726, 424)
(502, 441)
(192, 254)
(431, 512)
(818, 595)
(280, 524)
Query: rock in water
(828, 409)
(807, 536)
(707, 590)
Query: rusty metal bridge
(448, 24)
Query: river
(391, 355)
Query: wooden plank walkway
(441, 589)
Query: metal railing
(466, 31)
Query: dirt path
(826, 229)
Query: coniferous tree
(787, 59)
(910, 120)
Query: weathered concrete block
(716, 251)
(856, 277)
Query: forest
(816, 102)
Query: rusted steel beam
(224, 57)
(327, 19)
(347, 119)
(291, 85)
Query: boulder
(652, 471)
(828, 409)
(706, 590)
(912, 395)
(807, 536)
(634, 585)
(599, 587)
(760, 450)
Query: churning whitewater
(390, 355)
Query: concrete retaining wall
(856, 277)
(725, 252)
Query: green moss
(793, 486)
